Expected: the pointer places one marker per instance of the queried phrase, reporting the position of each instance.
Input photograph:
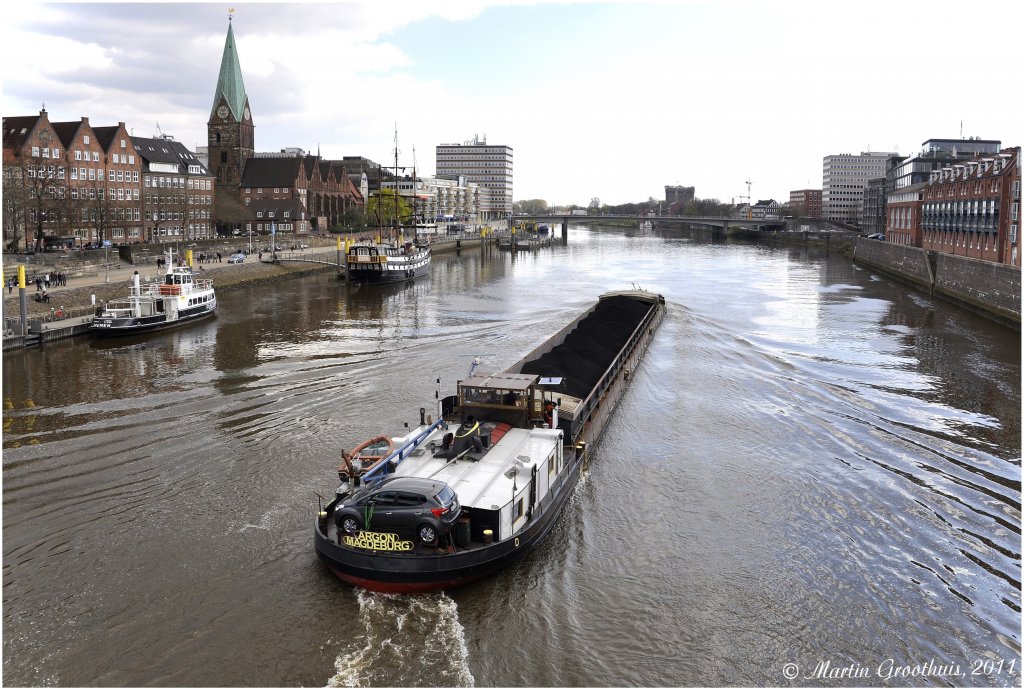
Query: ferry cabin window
(520, 509)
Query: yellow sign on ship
(378, 541)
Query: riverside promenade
(71, 307)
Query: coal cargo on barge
(477, 489)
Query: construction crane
(747, 197)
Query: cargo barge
(475, 490)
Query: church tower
(231, 140)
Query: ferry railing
(400, 454)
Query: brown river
(813, 480)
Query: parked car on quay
(418, 507)
(236, 258)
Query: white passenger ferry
(177, 299)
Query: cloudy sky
(612, 100)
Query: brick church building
(287, 192)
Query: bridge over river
(674, 221)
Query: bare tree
(229, 211)
(42, 179)
(15, 205)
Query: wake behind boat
(477, 489)
(176, 300)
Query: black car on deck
(417, 507)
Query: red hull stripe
(401, 587)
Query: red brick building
(69, 182)
(260, 180)
(34, 179)
(121, 216)
(806, 203)
(903, 215)
(972, 208)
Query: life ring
(368, 452)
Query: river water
(814, 479)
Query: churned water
(813, 479)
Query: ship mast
(398, 227)
(415, 198)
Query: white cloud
(613, 100)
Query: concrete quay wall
(984, 287)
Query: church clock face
(222, 111)
(246, 112)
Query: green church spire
(229, 82)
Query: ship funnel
(136, 284)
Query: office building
(844, 178)
(487, 165)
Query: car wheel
(349, 525)
(427, 534)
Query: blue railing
(399, 454)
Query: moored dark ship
(476, 489)
(378, 263)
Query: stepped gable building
(34, 182)
(69, 183)
(332, 192)
(177, 191)
(122, 214)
